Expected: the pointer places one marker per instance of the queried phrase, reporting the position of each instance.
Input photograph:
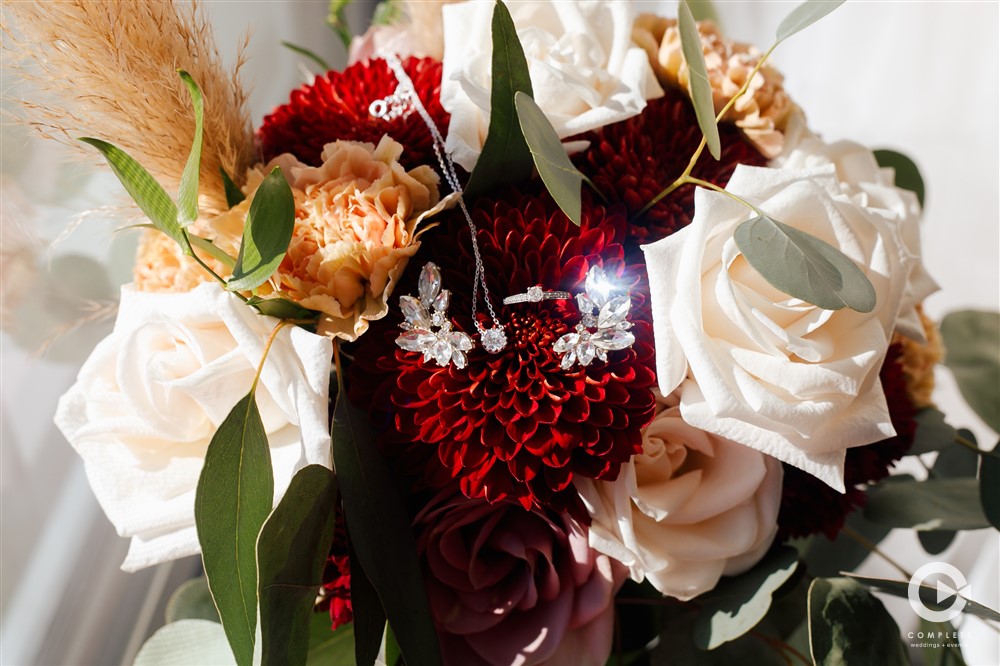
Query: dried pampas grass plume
(108, 69)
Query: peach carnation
(761, 112)
(160, 266)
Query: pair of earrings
(603, 326)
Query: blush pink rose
(513, 587)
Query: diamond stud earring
(602, 312)
(426, 314)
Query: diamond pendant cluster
(603, 325)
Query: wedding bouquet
(543, 333)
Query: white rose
(782, 376)
(585, 70)
(152, 394)
(692, 507)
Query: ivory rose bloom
(152, 394)
(756, 366)
(692, 507)
(584, 68)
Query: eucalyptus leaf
(989, 486)
(676, 646)
(144, 190)
(211, 249)
(187, 195)
(292, 550)
(192, 601)
(953, 462)
(232, 501)
(379, 528)
(933, 432)
(703, 10)
(939, 653)
(701, 88)
(268, 230)
(369, 616)
(907, 175)
(561, 178)
(847, 625)
(330, 647)
(309, 55)
(928, 595)
(804, 16)
(935, 504)
(972, 341)
(505, 157)
(281, 308)
(825, 558)
(186, 642)
(803, 266)
(737, 604)
(393, 657)
(234, 195)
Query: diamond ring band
(536, 295)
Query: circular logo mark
(954, 587)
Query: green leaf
(675, 646)
(561, 178)
(211, 249)
(933, 433)
(186, 642)
(928, 595)
(233, 499)
(826, 558)
(989, 486)
(268, 229)
(804, 16)
(804, 266)
(281, 308)
(192, 601)
(972, 341)
(505, 157)
(369, 616)
(907, 174)
(380, 532)
(187, 195)
(234, 195)
(701, 88)
(737, 604)
(393, 657)
(939, 653)
(144, 190)
(387, 13)
(291, 552)
(337, 20)
(330, 647)
(306, 53)
(847, 625)
(953, 462)
(935, 504)
(703, 10)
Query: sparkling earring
(426, 314)
(603, 325)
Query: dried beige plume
(108, 69)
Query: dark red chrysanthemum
(634, 160)
(809, 506)
(335, 106)
(516, 424)
(335, 594)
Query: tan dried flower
(761, 112)
(918, 361)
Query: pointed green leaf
(928, 595)
(211, 249)
(268, 229)
(336, 18)
(933, 433)
(907, 174)
(847, 625)
(804, 16)
(935, 504)
(192, 601)
(989, 486)
(972, 341)
(561, 178)
(330, 647)
(505, 157)
(369, 616)
(737, 604)
(187, 195)
(380, 532)
(803, 266)
(233, 499)
(234, 195)
(701, 88)
(291, 552)
(703, 10)
(953, 462)
(144, 190)
(186, 642)
(825, 558)
(281, 308)
(309, 55)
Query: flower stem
(850, 532)
(267, 348)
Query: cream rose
(756, 366)
(585, 70)
(692, 507)
(152, 394)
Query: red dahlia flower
(335, 594)
(335, 106)
(515, 424)
(634, 160)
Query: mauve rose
(509, 586)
